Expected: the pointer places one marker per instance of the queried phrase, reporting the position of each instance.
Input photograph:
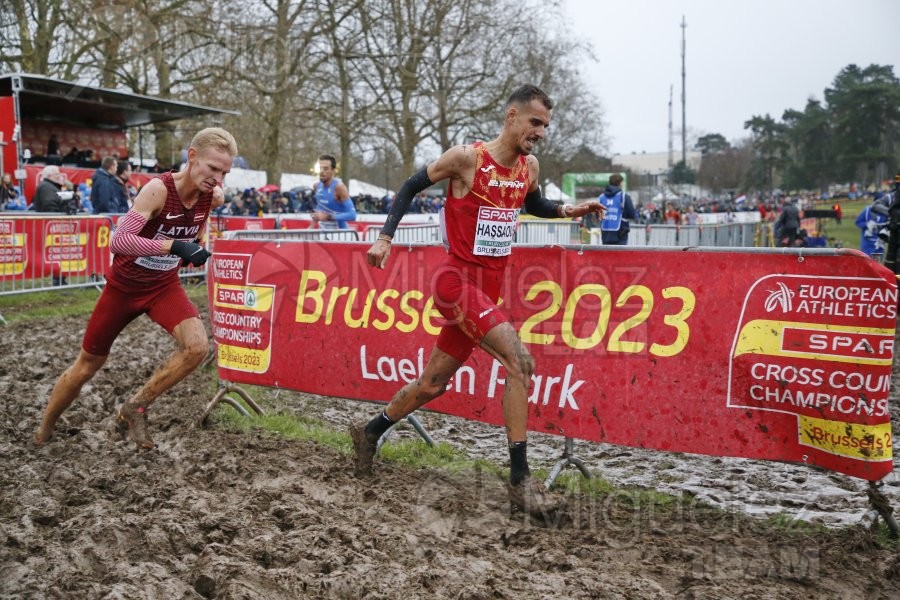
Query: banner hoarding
(754, 354)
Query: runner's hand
(588, 207)
(378, 254)
(190, 253)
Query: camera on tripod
(68, 201)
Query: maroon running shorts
(167, 305)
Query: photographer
(49, 196)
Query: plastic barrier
(408, 234)
(550, 231)
(343, 235)
(780, 355)
(731, 235)
(50, 251)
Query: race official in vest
(334, 208)
(615, 226)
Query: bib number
(494, 231)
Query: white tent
(245, 178)
(356, 187)
(666, 195)
(290, 181)
(552, 192)
(361, 188)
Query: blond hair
(215, 137)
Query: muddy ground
(212, 514)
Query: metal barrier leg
(416, 424)
(221, 397)
(420, 429)
(568, 458)
(881, 505)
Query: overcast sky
(744, 58)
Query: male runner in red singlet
(489, 182)
(151, 242)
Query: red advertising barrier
(761, 354)
(35, 247)
(294, 223)
(219, 224)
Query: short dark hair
(329, 158)
(122, 166)
(526, 93)
(615, 179)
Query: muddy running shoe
(363, 449)
(531, 496)
(131, 422)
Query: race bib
(159, 263)
(494, 231)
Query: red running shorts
(466, 295)
(116, 308)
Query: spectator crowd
(255, 202)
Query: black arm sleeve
(537, 205)
(408, 191)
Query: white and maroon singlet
(174, 222)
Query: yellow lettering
(385, 309)
(318, 277)
(336, 294)
(363, 320)
(428, 314)
(103, 236)
(678, 321)
(601, 292)
(615, 338)
(409, 311)
(527, 331)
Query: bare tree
(276, 49)
(335, 99)
(28, 32)
(398, 33)
(386, 84)
(472, 68)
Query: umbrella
(271, 187)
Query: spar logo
(250, 298)
(780, 298)
(237, 297)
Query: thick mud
(211, 514)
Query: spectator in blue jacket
(103, 190)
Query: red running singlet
(174, 222)
(479, 227)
